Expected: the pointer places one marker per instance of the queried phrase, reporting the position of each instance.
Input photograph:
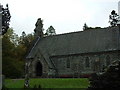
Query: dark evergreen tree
(5, 18)
(50, 31)
(109, 79)
(85, 27)
(39, 28)
(113, 18)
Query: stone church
(74, 54)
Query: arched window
(97, 65)
(107, 60)
(68, 63)
(87, 62)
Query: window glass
(87, 62)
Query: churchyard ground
(49, 83)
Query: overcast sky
(64, 15)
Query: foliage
(109, 79)
(113, 18)
(49, 83)
(39, 28)
(5, 18)
(86, 27)
(13, 52)
(12, 66)
(50, 31)
(13, 37)
(25, 42)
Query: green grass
(50, 83)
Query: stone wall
(83, 64)
(79, 65)
(44, 64)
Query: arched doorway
(38, 69)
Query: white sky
(64, 15)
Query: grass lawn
(50, 83)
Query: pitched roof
(96, 40)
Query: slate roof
(94, 40)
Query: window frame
(68, 63)
(87, 62)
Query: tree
(85, 27)
(12, 66)
(25, 42)
(26, 39)
(109, 79)
(113, 18)
(13, 53)
(39, 28)
(13, 37)
(50, 31)
(5, 19)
